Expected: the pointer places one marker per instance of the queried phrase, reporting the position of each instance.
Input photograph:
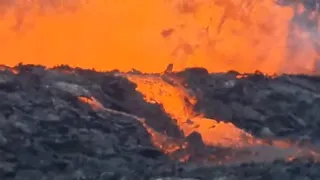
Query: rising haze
(220, 35)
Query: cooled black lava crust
(46, 133)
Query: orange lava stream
(95, 104)
(213, 133)
(243, 35)
(178, 101)
(167, 144)
(173, 98)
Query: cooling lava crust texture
(67, 123)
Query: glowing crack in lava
(243, 35)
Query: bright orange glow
(212, 132)
(178, 102)
(220, 35)
(243, 35)
(173, 100)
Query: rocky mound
(65, 123)
(286, 105)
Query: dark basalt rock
(47, 133)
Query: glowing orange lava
(213, 133)
(95, 104)
(178, 102)
(243, 35)
(174, 103)
(220, 35)
(166, 144)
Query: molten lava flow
(243, 35)
(178, 102)
(166, 144)
(220, 35)
(95, 104)
(175, 102)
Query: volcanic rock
(70, 123)
(266, 132)
(285, 103)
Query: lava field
(64, 123)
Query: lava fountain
(243, 35)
